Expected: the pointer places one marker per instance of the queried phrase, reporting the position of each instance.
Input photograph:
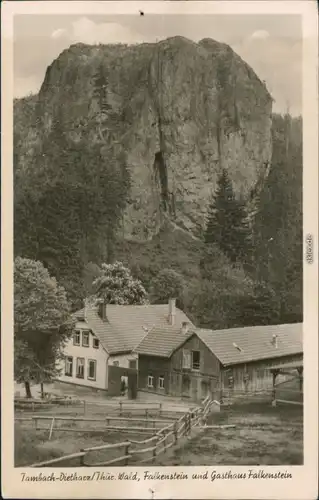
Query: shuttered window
(76, 337)
(161, 382)
(80, 367)
(69, 366)
(92, 369)
(150, 381)
(85, 338)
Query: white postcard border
(303, 484)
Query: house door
(204, 389)
(186, 384)
(132, 384)
(195, 387)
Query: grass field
(33, 445)
(263, 436)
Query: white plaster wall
(99, 355)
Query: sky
(270, 44)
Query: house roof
(253, 343)
(126, 326)
(162, 341)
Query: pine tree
(278, 222)
(68, 210)
(227, 222)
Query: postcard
(160, 250)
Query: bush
(26, 447)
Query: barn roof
(241, 345)
(127, 326)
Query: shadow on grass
(263, 435)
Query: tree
(117, 286)
(214, 301)
(42, 323)
(68, 208)
(227, 224)
(166, 285)
(90, 273)
(278, 221)
(259, 307)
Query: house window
(161, 382)
(116, 363)
(85, 338)
(76, 337)
(80, 367)
(195, 360)
(92, 369)
(132, 364)
(96, 343)
(186, 359)
(69, 366)
(150, 381)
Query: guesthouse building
(102, 351)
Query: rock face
(185, 111)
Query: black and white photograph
(159, 245)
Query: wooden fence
(283, 393)
(84, 407)
(126, 424)
(129, 452)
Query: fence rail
(140, 426)
(86, 408)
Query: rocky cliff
(180, 110)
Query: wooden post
(51, 428)
(274, 376)
(84, 407)
(189, 423)
(160, 408)
(300, 373)
(164, 443)
(127, 451)
(82, 459)
(146, 413)
(154, 454)
(121, 404)
(36, 423)
(175, 431)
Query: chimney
(171, 311)
(275, 340)
(86, 304)
(185, 327)
(102, 311)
